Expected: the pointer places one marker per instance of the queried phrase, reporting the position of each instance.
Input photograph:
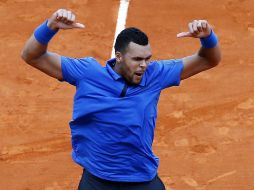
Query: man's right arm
(35, 50)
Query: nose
(143, 64)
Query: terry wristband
(209, 41)
(43, 33)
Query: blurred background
(204, 134)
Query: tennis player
(115, 107)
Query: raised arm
(209, 54)
(35, 50)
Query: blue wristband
(43, 33)
(209, 41)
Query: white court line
(121, 21)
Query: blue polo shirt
(112, 136)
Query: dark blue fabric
(112, 136)
(210, 41)
(43, 33)
(91, 182)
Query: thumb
(78, 25)
(183, 34)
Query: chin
(135, 82)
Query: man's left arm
(209, 54)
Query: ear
(119, 56)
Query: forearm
(33, 49)
(211, 55)
(210, 49)
(208, 56)
(36, 46)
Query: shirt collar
(110, 64)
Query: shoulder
(79, 64)
(83, 60)
(166, 73)
(158, 66)
(75, 69)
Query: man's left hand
(197, 29)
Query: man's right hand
(63, 19)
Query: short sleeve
(74, 69)
(170, 72)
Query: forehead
(136, 50)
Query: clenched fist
(63, 19)
(197, 29)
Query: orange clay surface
(204, 135)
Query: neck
(117, 68)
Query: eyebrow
(137, 57)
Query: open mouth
(139, 74)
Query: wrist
(52, 25)
(209, 41)
(43, 34)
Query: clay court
(205, 128)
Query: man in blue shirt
(115, 107)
